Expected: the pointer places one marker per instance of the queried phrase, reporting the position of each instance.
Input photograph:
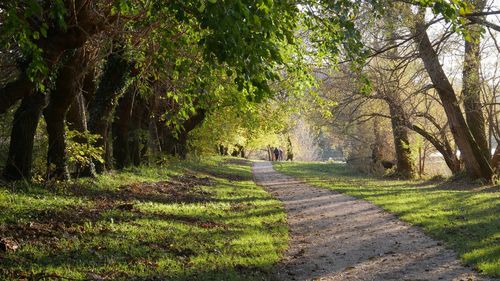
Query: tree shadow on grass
(113, 237)
(130, 250)
(84, 239)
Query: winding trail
(338, 237)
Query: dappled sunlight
(150, 229)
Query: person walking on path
(276, 154)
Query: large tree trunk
(116, 72)
(60, 100)
(477, 166)
(404, 166)
(81, 26)
(137, 143)
(472, 85)
(121, 124)
(26, 119)
(76, 118)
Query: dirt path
(337, 237)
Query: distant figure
(276, 154)
(280, 155)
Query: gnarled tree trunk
(405, 167)
(116, 72)
(26, 119)
(60, 100)
(121, 124)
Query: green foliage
(251, 125)
(247, 37)
(18, 31)
(82, 149)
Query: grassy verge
(465, 218)
(190, 221)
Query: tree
(67, 87)
(477, 165)
(471, 91)
(43, 31)
(19, 161)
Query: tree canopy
(141, 75)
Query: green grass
(224, 228)
(466, 218)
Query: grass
(465, 218)
(208, 222)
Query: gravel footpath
(338, 237)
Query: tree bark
(14, 91)
(137, 143)
(121, 124)
(472, 84)
(24, 126)
(76, 118)
(390, 89)
(115, 74)
(404, 166)
(477, 166)
(60, 100)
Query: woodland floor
(203, 219)
(338, 237)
